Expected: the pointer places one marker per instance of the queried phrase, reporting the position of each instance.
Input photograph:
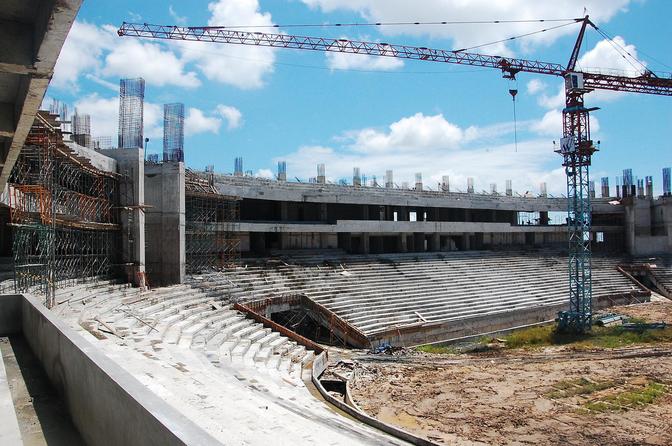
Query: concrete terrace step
(378, 291)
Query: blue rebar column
(131, 110)
(576, 149)
(173, 132)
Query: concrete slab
(9, 428)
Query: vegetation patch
(580, 386)
(598, 337)
(549, 335)
(628, 399)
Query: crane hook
(513, 91)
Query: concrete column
(284, 240)
(323, 212)
(165, 223)
(365, 212)
(131, 167)
(365, 243)
(543, 218)
(284, 211)
(345, 241)
(435, 242)
(419, 242)
(257, 242)
(465, 241)
(402, 242)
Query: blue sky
(377, 114)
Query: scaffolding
(131, 106)
(173, 132)
(211, 243)
(63, 219)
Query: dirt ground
(524, 397)
(652, 312)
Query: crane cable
(365, 24)
(619, 49)
(508, 39)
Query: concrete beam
(331, 193)
(395, 227)
(7, 120)
(28, 52)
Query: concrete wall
(102, 160)
(107, 405)
(640, 213)
(461, 328)
(165, 223)
(10, 314)
(131, 165)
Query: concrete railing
(107, 405)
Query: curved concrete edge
(319, 366)
(105, 402)
(10, 433)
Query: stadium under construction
(150, 295)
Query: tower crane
(576, 146)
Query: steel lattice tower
(577, 148)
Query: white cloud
(104, 114)
(462, 10)
(605, 57)
(535, 86)
(133, 58)
(197, 122)
(81, 52)
(436, 147)
(347, 61)
(243, 67)
(233, 116)
(105, 118)
(177, 19)
(97, 51)
(413, 133)
(102, 82)
(264, 173)
(550, 124)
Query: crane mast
(576, 145)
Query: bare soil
(652, 311)
(512, 397)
